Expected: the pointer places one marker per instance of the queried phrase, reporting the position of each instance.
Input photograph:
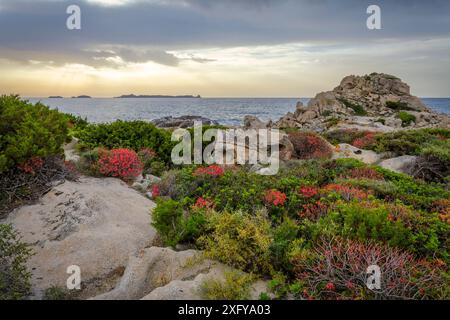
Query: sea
(226, 111)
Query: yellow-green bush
(239, 240)
(236, 286)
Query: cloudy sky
(221, 48)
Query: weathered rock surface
(70, 153)
(252, 122)
(94, 223)
(370, 96)
(344, 150)
(182, 122)
(399, 164)
(163, 274)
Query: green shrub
(239, 240)
(394, 224)
(283, 237)
(406, 118)
(134, 135)
(395, 105)
(174, 224)
(357, 108)
(28, 130)
(14, 276)
(235, 286)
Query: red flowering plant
(204, 203)
(308, 145)
(365, 141)
(156, 192)
(308, 192)
(346, 192)
(31, 165)
(211, 171)
(364, 173)
(275, 198)
(120, 163)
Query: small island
(82, 97)
(127, 96)
(55, 97)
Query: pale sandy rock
(344, 150)
(93, 223)
(70, 153)
(252, 122)
(164, 274)
(399, 164)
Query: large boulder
(401, 164)
(93, 223)
(344, 150)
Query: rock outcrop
(182, 122)
(164, 274)
(370, 102)
(95, 224)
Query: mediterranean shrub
(336, 269)
(239, 240)
(235, 286)
(134, 135)
(28, 130)
(308, 145)
(406, 118)
(14, 276)
(120, 163)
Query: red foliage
(314, 211)
(337, 270)
(213, 171)
(31, 165)
(346, 192)
(443, 208)
(275, 197)
(365, 141)
(155, 191)
(203, 203)
(308, 145)
(120, 163)
(146, 154)
(364, 173)
(309, 192)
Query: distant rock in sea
(126, 96)
(55, 97)
(82, 97)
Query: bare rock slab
(93, 223)
(398, 164)
(345, 150)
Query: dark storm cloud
(146, 30)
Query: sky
(219, 48)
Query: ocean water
(227, 111)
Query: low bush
(308, 145)
(406, 118)
(28, 182)
(239, 240)
(175, 224)
(120, 163)
(357, 108)
(394, 224)
(235, 286)
(135, 135)
(29, 130)
(337, 269)
(14, 276)
(398, 106)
